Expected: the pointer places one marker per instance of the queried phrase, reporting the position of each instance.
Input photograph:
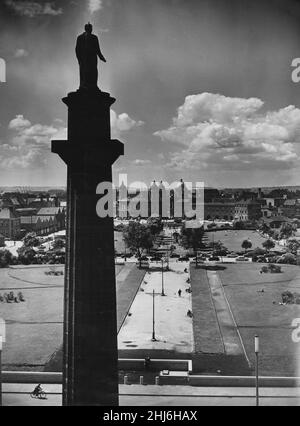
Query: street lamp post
(162, 278)
(153, 318)
(256, 369)
(168, 258)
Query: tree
(192, 238)
(31, 240)
(176, 236)
(293, 246)
(6, 258)
(59, 244)
(246, 245)
(264, 228)
(268, 244)
(219, 249)
(155, 225)
(287, 231)
(288, 259)
(138, 238)
(26, 255)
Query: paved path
(134, 395)
(172, 326)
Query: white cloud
(31, 9)
(19, 123)
(29, 143)
(234, 133)
(122, 123)
(138, 162)
(21, 53)
(95, 5)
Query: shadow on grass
(211, 267)
(158, 269)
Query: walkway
(182, 396)
(173, 328)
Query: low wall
(31, 377)
(242, 381)
(174, 378)
(156, 365)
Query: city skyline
(198, 97)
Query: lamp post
(256, 369)
(168, 258)
(153, 318)
(162, 278)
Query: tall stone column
(90, 366)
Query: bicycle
(40, 395)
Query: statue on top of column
(87, 52)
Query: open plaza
(228, 304)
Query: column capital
(94, 156)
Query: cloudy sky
(203, 88)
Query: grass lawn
(233, 239)
(34, 329)
(258, 312)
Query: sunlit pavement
(173, 328)
(135, 395)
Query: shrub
(287, 297)
(275, 269)
(288, 259)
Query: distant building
(39, 225)
(219, 211)
(29, 211)
(57, 214)
(249, 210)
(291, 209)
(10, 224)
(269, 211)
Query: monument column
(90, 366)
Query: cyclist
(38, 390)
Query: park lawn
(233, 240)
(34, 329)
(260, 313)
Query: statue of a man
(87, 52)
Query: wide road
(171, 396)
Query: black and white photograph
(149, 206)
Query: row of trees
(27, 254)
(140, 238)
(286, 231)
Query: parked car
(241, 259)
(214, 259)
(155, 259)
(183, 259)
(143, 264)
(198, 260)
(143, 258)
